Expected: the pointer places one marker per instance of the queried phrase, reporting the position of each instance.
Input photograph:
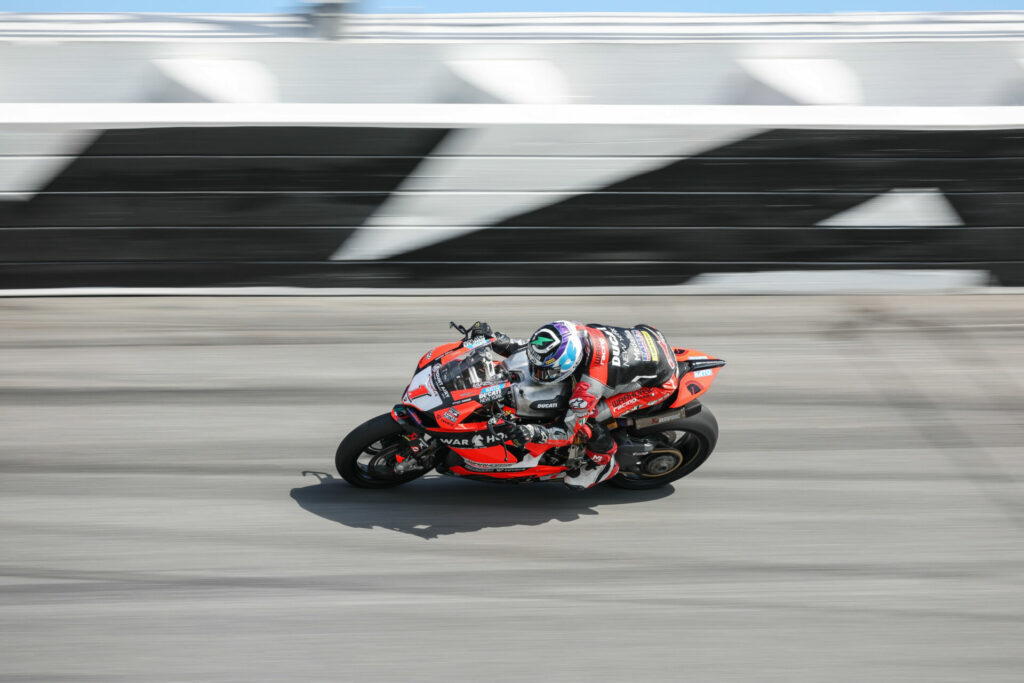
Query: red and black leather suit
(623, 369)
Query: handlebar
(497, 423)
(477, 329)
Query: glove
(582, 402)
(480, 329)
(520, 435)
(505, 345)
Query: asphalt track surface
(162, 519)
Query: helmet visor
(545, 375)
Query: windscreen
(476, 369)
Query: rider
(615, 370)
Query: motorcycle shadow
(440, 506)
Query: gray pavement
(861, 519)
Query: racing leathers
(623, 369)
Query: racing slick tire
(684, 445)
(366, 457)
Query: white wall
(932, 60)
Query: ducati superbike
(454, 415)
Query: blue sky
(512, 5)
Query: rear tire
(686, 445)
(366, 457)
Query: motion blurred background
(325, 148)
(831, 202)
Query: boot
(597, 468)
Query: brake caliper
(416, 454)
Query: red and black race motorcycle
(461, 395)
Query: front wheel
(367, 456)
(681, 446)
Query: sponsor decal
(475, 440)
(602, 351)
(703, 373)
(615, 348)
(476, 342)
(491, 393)
(452, 414)
(651, 346)
(646, 422)
(645, 393)
(621, 401)
(697, 358)
(544, 405)
(491, 466)
(439, 386)
(640, 351)
(694, 388)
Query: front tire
(366, 457)
(684, 445)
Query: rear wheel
(367, 457)
(681, 446)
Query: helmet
(554, 351)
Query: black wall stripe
(267, 141)
(803, 177)
(227, 176)
(188, 209)
(170, 194)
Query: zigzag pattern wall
(447, 206)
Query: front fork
(419, 454)
(419, 449)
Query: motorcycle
(455, 412)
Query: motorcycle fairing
(696, 380)
(504, 460)
(454, 410)
(422, 392)
(538, 473)
(437, 352)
